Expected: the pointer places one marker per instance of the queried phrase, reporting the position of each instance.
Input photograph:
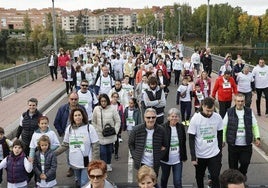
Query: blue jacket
(62, 117)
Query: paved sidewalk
(12, 106)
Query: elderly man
(147, 142)
(240, 130)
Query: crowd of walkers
(122, 84)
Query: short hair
(43, 118)
(97, 164)
(85, 117)
(231, 176)
(105, 96)
(43, 138)
(208, 102)
(152, 80)
(174, 111)
(146, 171)
(227, 72)
(84, 80)
(240, 95)
(34, 100)
(150, 110)
(114, 93)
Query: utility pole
(162, 37)
(179, 28)
(54, 28)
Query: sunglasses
(152, 117)
(95, 176)
(84, 85)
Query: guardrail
(21, 76)
(218, 61)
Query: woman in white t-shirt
(83, 143)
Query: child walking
(43, 130)
(45, 164)
(184, 94)
(17, 166)
(198, 97)
(132, 114)
(5, 144)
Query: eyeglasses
(74, 99)
(95, 176)
(84, 85)
(152, 117)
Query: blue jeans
(106, 153)
(177, 174)
(82, 176)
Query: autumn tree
(27, 26)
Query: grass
(5, 66)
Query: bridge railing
(15, 78)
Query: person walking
(240, 131)
(52, 62)
(260, 73)
(148, 142)
(205, 141)
(226, 87)
(176, 150)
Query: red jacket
(225, 90)
(62, 59)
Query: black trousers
(223, 107)
(239, 155)
(53, 70)
(214, 167)
(258, 100)
(177, 76)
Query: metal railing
(21, 76)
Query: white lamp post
(54, 28)
(207, 28)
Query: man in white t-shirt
(240, 131)
(105, 82)
(87, 98)
(260, 73)
(147, 142)
(205, 140)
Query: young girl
(45, 164)
(119, 107)
(17, 166)
(43, 130)
(132, 114)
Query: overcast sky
(253, 7)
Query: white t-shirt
(205, 131)
(195, 58)
(174, 150)
(261, 76)
(80, 140)
(241, 132)
(244, 82)
(85, 99)
(183, 88)
(105, 84)
(130, 122)
(177, 64)
(148, 157)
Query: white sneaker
(120, 140)
(109, 168)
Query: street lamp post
(162, 37)
(207, 26)
(54, 28)
(179, 27)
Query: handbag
(107, 129)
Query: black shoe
(259, 114)
(116, 157)
(70, 172)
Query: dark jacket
(165, 82)
(50, 165)
(16, 172)
(64, 73)
(232, 126)
(136, 115)
(137, 140)
(62, 117)
(182, 141)
(29, 125)
(55, 57)
(153, 97)
(83, 76)
(5, 147)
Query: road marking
(54, 104)
(261, 152)
(130, 168)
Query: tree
(78, 40)
(145, 17)
(264, 27)
(4, 35)
(27, 26)
(244, 28)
